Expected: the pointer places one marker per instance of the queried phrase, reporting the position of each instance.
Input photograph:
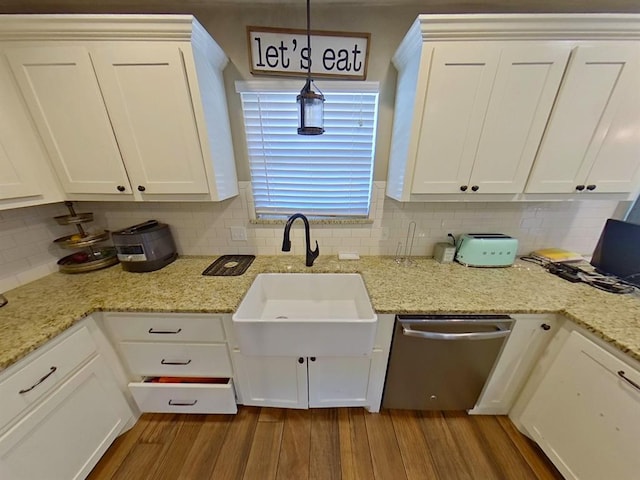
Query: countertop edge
(43, 309)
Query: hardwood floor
(335, 443)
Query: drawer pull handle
(164, 362)
(164, 332)
(53, 369)
(182, 404)
(628, 380)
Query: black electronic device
(618, 251)
(562, 270)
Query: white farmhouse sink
(305, 314)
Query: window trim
(292, 85)
(243, 86)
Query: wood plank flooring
(318, 444)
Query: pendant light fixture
(310, 103)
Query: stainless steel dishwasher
(441, 362)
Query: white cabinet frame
(310, 382)
(412, 178)
(583, 413)
(129, 107)
(61, 89)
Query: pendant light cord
(309, 38)
(308, 99)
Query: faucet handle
(312, 255)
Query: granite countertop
(44, 308)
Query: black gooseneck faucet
(286, 241)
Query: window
(633, 214)
(328, 175)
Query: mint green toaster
(486, 250)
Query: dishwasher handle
(500, 332)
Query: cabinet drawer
(38, 376)
(185, 398)
(169, 328)
(65, 435)
(177, 359)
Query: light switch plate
(238, 233)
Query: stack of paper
(557, 255)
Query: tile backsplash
(27, 251)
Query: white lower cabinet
(63, 434)
(584, 412)
(215, 397)
(310, 382)
(162, 354)
(302, 382)
(39, 376)
(177, 359)
(338, 381)
(529, 336)
(272, 381)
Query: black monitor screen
(618, 251)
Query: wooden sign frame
(282, 52)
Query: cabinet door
(19, 147)
(147, 94)
(584, 415)
(523, 93)
(271, 381)
(458, 92)
(62, 93)
(528, 338)
(616, 165)
(592, 135)
(67, 433)
(17, 179)
(338, 381)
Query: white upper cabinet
(522, 96)
(592, 142)
(133, 109)
(147, 93)
(23, 161)
(457, 96)
(485, 110)
(64, 98)
(484, 101)
(16, 179)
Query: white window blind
(324, 175)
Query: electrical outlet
(238, 233)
